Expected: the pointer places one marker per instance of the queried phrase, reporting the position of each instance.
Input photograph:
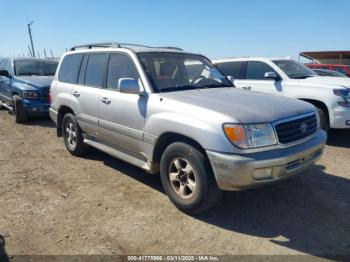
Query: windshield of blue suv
(177, 71)
(35, 68)
(294, 69)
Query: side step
(147, 166)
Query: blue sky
(213, 28)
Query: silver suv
(169, 111)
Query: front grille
(45, 94)
(294, 130)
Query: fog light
(263, 173)
(347, 122)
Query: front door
(254, 79)
(121, 116)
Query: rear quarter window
(70, 68)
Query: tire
(324, 119)
(19, 110)
(72, 136)
(186, 196)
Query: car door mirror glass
(271, 75)
(128, 86)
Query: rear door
(254, 79)
(88, 90)
(122, 116)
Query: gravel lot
(54, 203)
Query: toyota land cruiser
(169, 111)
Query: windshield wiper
(216, 86)
(304, 77)
(180, 88)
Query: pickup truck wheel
(72, 136)
(188, 179)
(18, 110)
(324, 119)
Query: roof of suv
(119, 47)
(229, 59)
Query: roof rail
(117, 45)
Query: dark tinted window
(82, 70)
(232, 69)
(95, 71)
(256, 70)
(70, 67)
(120, 66)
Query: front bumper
(53, 115)
(340, 117)
(235, 172)
(36, 107)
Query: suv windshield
(177, 71)
(294, 69)
(35, 68)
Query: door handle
(106, 100)
(247, 87)
(76, 94)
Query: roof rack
(117, 45)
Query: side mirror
(272, 75)
(231, 79)
(128, 86)
(4, 73)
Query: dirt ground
(54, 203)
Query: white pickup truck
(286, 77)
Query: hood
(241, 105)
(327, 80)
(36, 81)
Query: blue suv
(25, 86)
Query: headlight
(250, 136)
(345, 94)
(30, 94)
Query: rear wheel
(73, 136)
(324, 119)
(188, 179)
(19, 110)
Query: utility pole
(30, 51)
(31, 38)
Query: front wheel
(324, 119)
(187, 178)
(19, 110)
(72, 136)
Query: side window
(95, 71)
(256, 70)
(120, 66)
(232, 69)
(81, 78)
(70, 67)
